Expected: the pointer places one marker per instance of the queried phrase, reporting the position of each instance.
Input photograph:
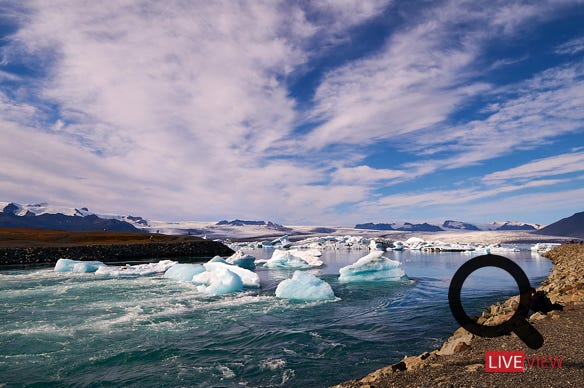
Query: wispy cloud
(165, 106)
(571, 47)
(552, 166)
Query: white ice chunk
(87, 266)
(242, 259)
(136, 270)
(68, 265)
(294, 258)
(218, 282)
(304, 286)
(248, 278)
(372, 267)
(184, 272)
(64, 265)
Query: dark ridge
(572, 226)
(372, 226)
(62, 222)
(450, 224)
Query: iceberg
(135, 270)
(294, 258)
(218, 282)
(372, 267)
(304, 286)
(78, 266)
(247, 277)
(184, 272)
(242, 259)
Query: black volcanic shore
(29, 246)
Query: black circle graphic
(489, 260)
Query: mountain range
(45, 216)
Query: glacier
(371, 267)
(304, 286)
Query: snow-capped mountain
(449, 225)
(45, 216)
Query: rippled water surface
(79, 329)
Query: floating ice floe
(248, 278)
(135, 270)
(216, 277)
(184, 272)
(295, 259)
(304, 286)
(372, 267)
(78, 266)
(218, 282)
(242, 259)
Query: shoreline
(33, 246)
(460, 360)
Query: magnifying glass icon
(517, 323)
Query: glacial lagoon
(83, 329)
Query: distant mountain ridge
(572, 226)
(238, 222)
(45, 216)
(41, 216)
(449, 225)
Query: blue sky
(308, 112)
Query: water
(78, 329)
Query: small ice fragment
(78, 266)
(372, 267)
(87, 266)
(294, 258)
(242, 259)
(135, 270)
(184, 272)
(304, 286)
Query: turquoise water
(78, 329)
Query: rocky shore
(108, 253)
(461, 359)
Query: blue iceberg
(304, 286)
(184, 272)
(371, 268)
(242, 259)
(78, 266)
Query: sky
(316, 112)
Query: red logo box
(504, 361)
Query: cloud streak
(180, 111)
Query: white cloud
(552, 166)
(364, 175)
(178, 111)
(571, 47)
